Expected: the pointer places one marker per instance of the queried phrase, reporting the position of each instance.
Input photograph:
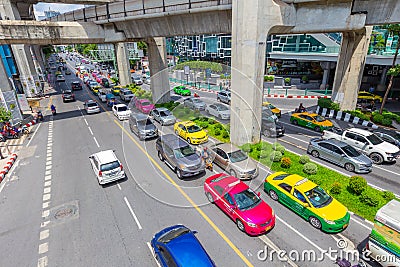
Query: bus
(384, 241)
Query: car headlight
(182, 166)
(251, 224)
(329, 222)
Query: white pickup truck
(365, 141)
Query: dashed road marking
(47, 177)
(48, 183)
(133, 214)
(43, 248)
(48, 172)
(90, 130)
(45, 205)
(46, 190)
(152, 253)
(46, 197)
(44, 234)
(95, 140)
(45, 213)
(86, 122)
(42, 262)
(44, 224)
(48, 162)
(119, 187)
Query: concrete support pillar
(159, 80)
(251, 22)
(124, 68)
(5, 83)
(350, 66)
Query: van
(384, 243)
(141, 125)
(106, 167)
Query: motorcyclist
(53, 109)
(207, 159)
(301, 108)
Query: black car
(76, 86)
(67, 95)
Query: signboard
(23, 102)
(186, 70)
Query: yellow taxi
(369, 96)
(274, 109)
(311, 120)
(116, 89)
(191, 132)
(308, 200)
(95, 89)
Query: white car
(121, 111)
(60, 78)
(102, 95)
(106, 167)
(91, 107)
(220, 111)
(137, 80)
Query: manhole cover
(64, 212)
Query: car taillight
(100, 173)
(367, 246)
(121, 167)
(73, 95)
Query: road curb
(8, 166)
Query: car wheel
(188, 140)
(315, 222)
(229, 102)
(160, 156)
(317, 129)
(349, 167)
(232, 172)
(240, 225)
(273, 195)
(376, 158)
(218, 99)
(209, 197)
(315, 154)
(295, 122)
(267, 133)
(176, 132)
(179, 173)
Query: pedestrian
(371, 89)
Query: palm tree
(393, 29)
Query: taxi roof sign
(302, 181)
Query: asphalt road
(73, 221)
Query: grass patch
(324, 177)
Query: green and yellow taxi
(308, 200)
(369, 96)
(311, 120)
(274, 109)
(95, 89)
(182, 90)
(117, 89)
(191, 132)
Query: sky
(62, 8)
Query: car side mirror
(258, 194)
(194, 232)
(370, 147)
(90, 157)
(305, 204)
(234, 207)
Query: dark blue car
(178, 246)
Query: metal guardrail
(135, 8)
(198, 85)
(302, 92)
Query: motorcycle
(54, 112)
(40, 116)
(346, 263)
(10, 134)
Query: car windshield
(123, 108)
(193, 128)
(165, 113)
(173, 234)
(237, 156)
(271, 106)
(318, 197)
(67, 92)
(222, 107)
(109, 166)
(183, 152)
(127, 93)
(198, 101)
(144, 122)
(146, 103)
(319, 118)
(350, 151)
(246, 199)
(374, 139)
(92, 105)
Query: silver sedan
(194, 103)
(341, 154)
(220, 111)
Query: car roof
(187, 123)
(105, 156)
(173, 141)
(90, 101)
(334, 142)
(162, 109)
(120, 105)
(140, 116)
(76, 82)
(227, 147)
(232, 184)
(360, 131)
(302, 184)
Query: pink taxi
(245, 207)
(144, 105)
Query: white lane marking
(46, 190)
(95, 140)
(43, 248)
(303, 128)
(268, 242)
(48, 183)
(42, 262)
(86, 122)
(44, 234)
(152, 253)
(44, 224)
(90, 130)
(33, 135)
(46, 197)
(305, 238)
(45, 205)
(298, 139)
(7, 177)
(133, 214)
(119, 187)
(45, 213)
(48, 162)
(48, 167)
(48, 158)
(47, 177)
(392, 172)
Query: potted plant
(304, 79)
(287, 81)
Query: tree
(142, 46)
(393, 29)
(5, 115)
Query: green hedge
(358, 113)
(328, 103)
(364, 205)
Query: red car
(245, 207)
(144, 105)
